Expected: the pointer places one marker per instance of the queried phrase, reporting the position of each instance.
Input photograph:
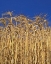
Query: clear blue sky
(29, 8)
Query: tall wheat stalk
(27, 42)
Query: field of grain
(24, 41)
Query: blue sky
(29, 8)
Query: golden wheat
(27, 42)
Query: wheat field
(25, 42)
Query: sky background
(29, 8)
